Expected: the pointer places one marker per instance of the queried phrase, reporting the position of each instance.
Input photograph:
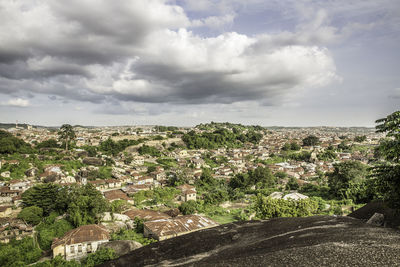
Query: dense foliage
(110, 147)
(267, 207)
(81, 203)
(19, 252)
(348, 180)
(220, 138)
(262, 177)
(149, 150)
(32, 215)
(387, 174)
(310, 140)
(50, 228)
(10, 144)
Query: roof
(178, 225)
(4, 208)
(85, 233)
(185, 187)
(188, 192)
(149, 215)
(116, 194)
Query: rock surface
(122, 247)
(310, 241)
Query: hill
(309, 241)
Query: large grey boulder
(377, 219)
(93, 161)
(121, 247)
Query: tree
(310, 140)
(43, 196)
(386, 175)
(32, 215)
(188, 207)
(345, 177)
(66, 133)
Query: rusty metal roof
(180, 224)
(85, 233)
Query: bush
(267, 207)
(188, 207)
(32, 215)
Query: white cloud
(17, 102)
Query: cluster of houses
(129, 177)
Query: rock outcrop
(310, 241)
(121, 247)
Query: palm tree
(66, 133)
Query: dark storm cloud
(140, 51)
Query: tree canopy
(311, 140)
(387, 174)
(67, 134)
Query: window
(72, 249)
(89, 247)
(79, 248)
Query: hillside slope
(310, 241)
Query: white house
(79, 242)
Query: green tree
(100, 256)
(67, 134)
(292, 184)
(32, 214)
(386, 175)
(188, 207)
(310, 140)
(345, 176)
(43, 196)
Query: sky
(185, 62)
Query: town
(75, 190)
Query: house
(5, 211)
(118, 194)
(79, 242)
(145, 180)
(132, 189)
(13, 228)
(188, 192)
(188, 195)
(167, 228)
(19, 185)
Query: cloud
(17, 102)
(143, 51)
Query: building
(147, 215)
(79, 242)
(168, 228)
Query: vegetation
(10, 144)
(260, 177)
(32, 215)
(311, 140)
(19, 252)
(386, 175)
(66, 134)
(220, 138)
(149, 150)
(110, 147)
(348, 180)
(81, 203)
(135, 235)
(267, 207)
(50, 228)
